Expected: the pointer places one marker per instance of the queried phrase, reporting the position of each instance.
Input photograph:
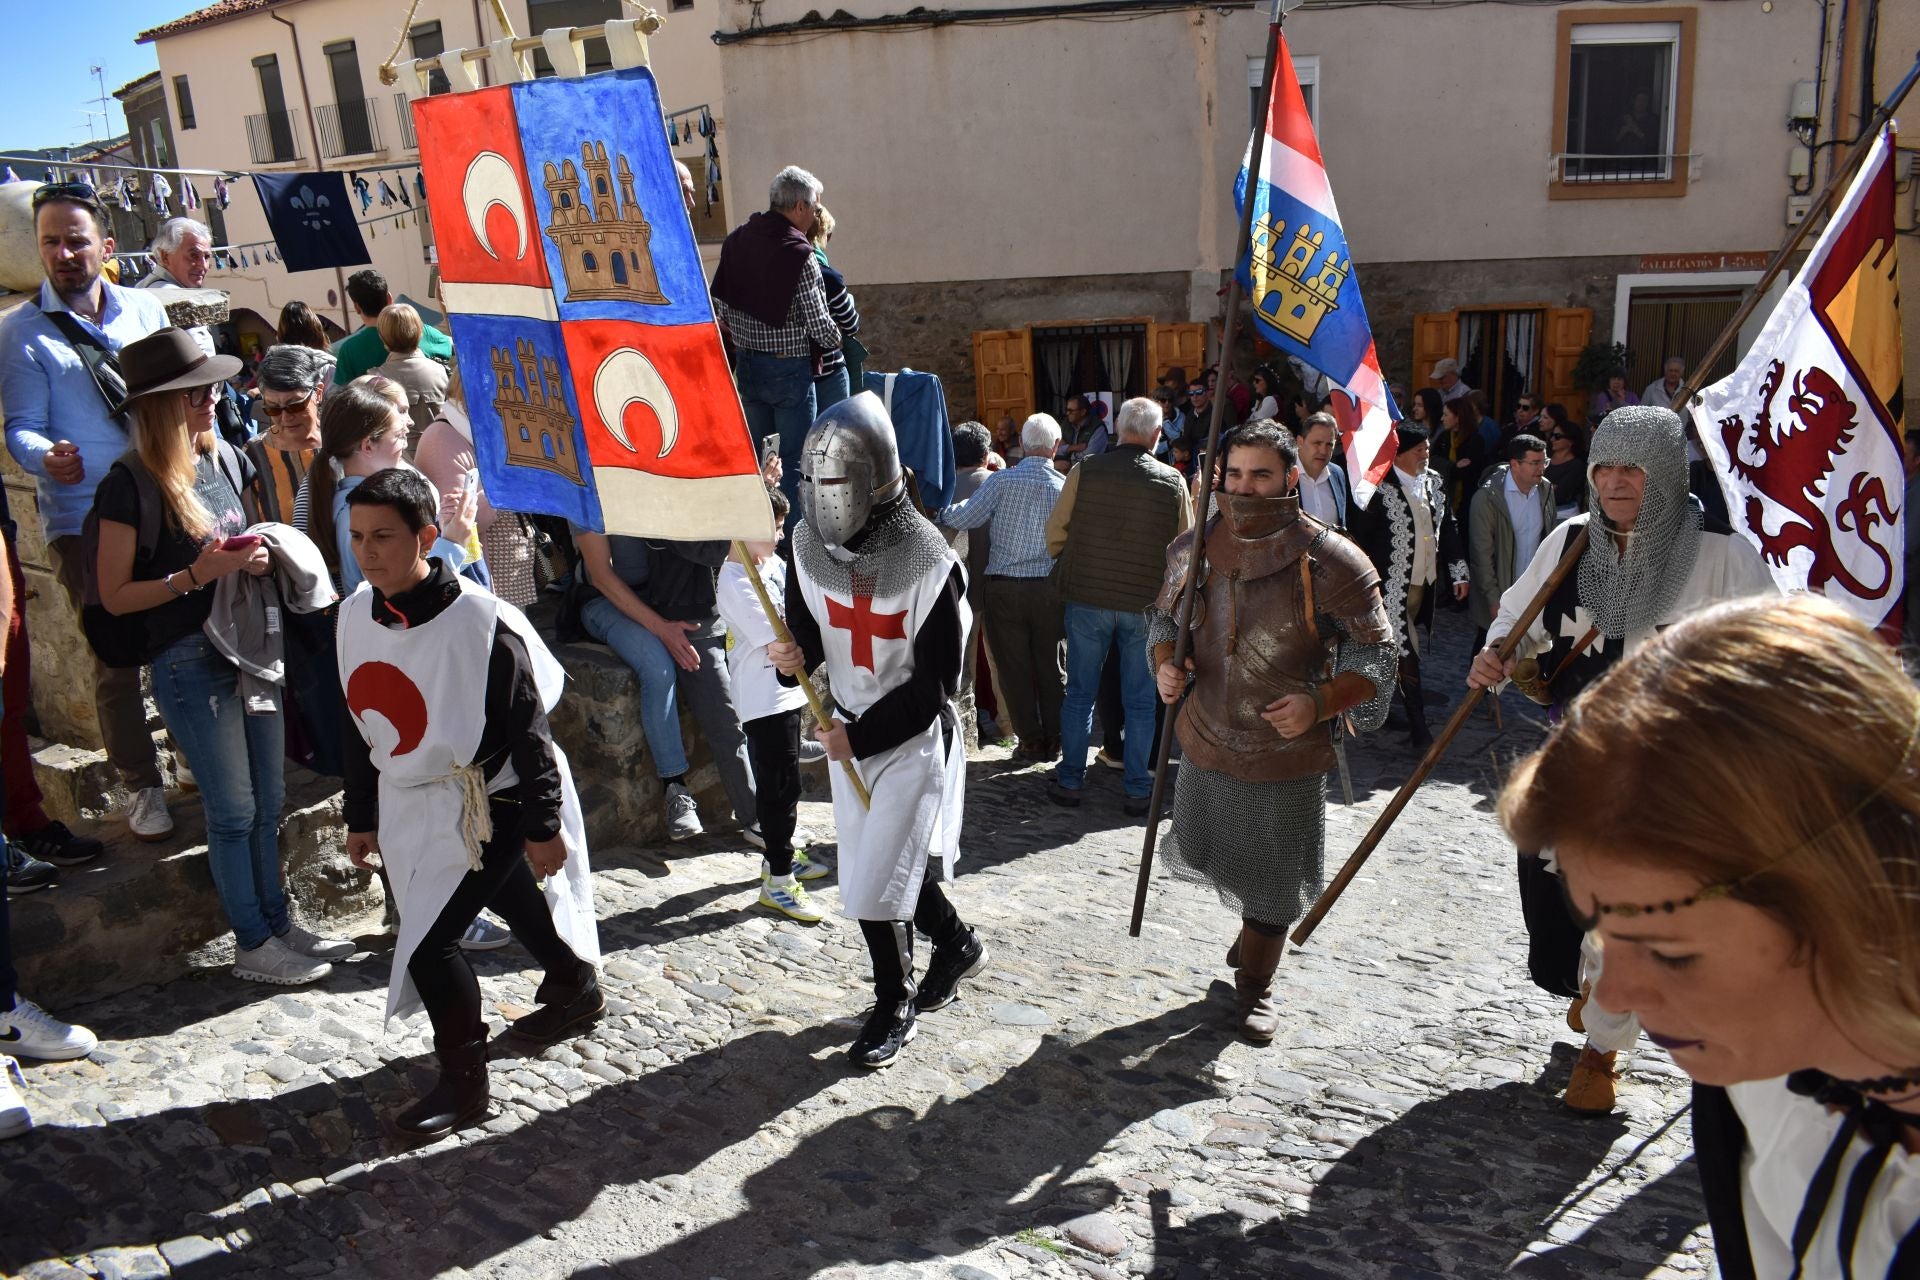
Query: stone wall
(62, 662)
(930, 326)
(1396, 292)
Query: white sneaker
(789, 897)
(273, 961)
(806, 866)
(147, 816)
(313, 946)
(753, 837)
(484, 935)
(32, 1032)
(14, 1116)
(812, 750)
(183, 776)
(683, 813)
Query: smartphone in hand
(241, 542)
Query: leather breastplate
(1255, 642)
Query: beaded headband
(1725, 888)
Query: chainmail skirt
(1261, 845)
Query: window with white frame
(1622, 96)
(1305, 69)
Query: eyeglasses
(1559, 435)
(272, 410)
(197, 396)
(1524, 407)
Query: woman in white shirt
(1736, 814)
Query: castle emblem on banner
(534, 417)
(1290, 298)
(604, 242)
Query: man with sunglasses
(1526, 420)
(62, 392)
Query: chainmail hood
(1638, 590)
(897, 548)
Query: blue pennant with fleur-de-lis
(312, 220)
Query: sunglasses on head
(82, 191)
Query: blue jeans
(640, 649)
(829, 389)
(777, 394)
(237, 760)
(1090, 633)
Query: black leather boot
(458, 1099)
(567, 1007)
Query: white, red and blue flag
(1298, 278)
(594, 376)
(1805, 434)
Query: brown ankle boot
(1591, 1091)
(1258, 956)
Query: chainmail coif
(897, 548)
(1637, 591)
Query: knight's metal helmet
(849, 464)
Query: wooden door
(1002, 374)
(1436, 336)
(1568, 330)
(1176, 346)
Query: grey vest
(1126, 509)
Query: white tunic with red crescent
(917, 787)
(423, 690)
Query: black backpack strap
(153, 506)
(102, 364)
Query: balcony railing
(349, 128)
(274, 137)
(405, 114)
(1586, 168)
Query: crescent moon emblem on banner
(491, 181)
(627, 376)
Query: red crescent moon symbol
(385, 688)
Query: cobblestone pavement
(1082, 1112)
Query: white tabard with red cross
(917, 786)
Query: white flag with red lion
(1805, 434)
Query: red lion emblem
(1792, 470)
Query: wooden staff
(1571, 557)
(1163, 751)
(785, 636)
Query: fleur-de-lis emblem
(313, 208)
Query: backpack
(121, 640)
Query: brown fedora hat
(171, 360)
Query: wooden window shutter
(1569, 329)
(1002, 374)
(1177, 346)
(1436, 336)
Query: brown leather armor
(1256, 638)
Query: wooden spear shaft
(1163, 750)
(1571, 557)
(785, 636)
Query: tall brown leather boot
(1259, 956)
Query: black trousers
(505, 883)
(1553, 939)
(890, 942)
(773, 749)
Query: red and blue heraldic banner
(1297, 273)
(594, 376)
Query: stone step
(148, 913)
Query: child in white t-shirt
(770, 716)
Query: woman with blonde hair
(180, 466)
(423, 378)
(1736, 815)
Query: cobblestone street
(1083, 1111)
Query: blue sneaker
(789, 897)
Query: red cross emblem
(866, 626)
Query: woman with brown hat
(179, 465)
(1736, 814)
